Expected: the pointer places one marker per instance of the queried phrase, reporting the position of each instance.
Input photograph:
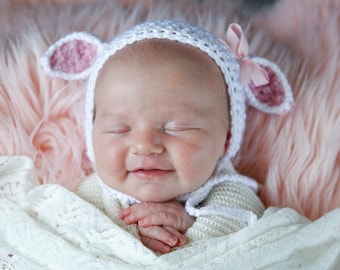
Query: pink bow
(249, 70)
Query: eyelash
(119, 130)
(166, 130)
(179, 129)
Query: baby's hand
(161, 225)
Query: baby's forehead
(186, 59)
(150, 51)
(192, 63)
(159, 49)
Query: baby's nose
(146, 143)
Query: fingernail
(128, 219)
(141, 222)
(122, 212)
(182, 240)
(166, 249)
(172, 241)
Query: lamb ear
(276, 96)
(72, 57)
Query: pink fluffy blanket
(296, 158)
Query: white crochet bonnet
(254, 81)
(81, 55)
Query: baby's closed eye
(118, 129)
(176, 129)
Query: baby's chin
(153, 197)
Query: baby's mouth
(151, 172)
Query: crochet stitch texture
(226, 194)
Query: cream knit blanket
(49, 227)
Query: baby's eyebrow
(110, 114)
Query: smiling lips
(150, 173)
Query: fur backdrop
(296, 157)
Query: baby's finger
(123, 213)
(160, 218)
(138, 211)
(160, 234)
(182, 240)
(155, 245)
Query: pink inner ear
(74, 56)
(272, 93)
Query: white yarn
(45, 60)
(194, 198)
(238, 214)
(284, 107)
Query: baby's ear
(276, 96)
(72, 57)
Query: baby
(165, 114)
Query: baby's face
(161, 121)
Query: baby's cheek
(105, 152)
(104, 145)
(194, 166)
(110, 166)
